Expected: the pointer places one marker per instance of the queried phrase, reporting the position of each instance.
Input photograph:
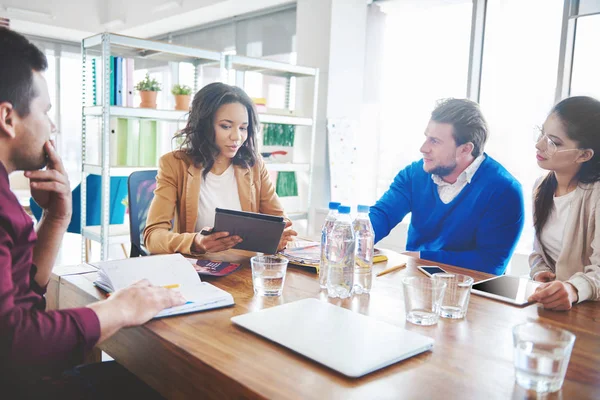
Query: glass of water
(268, 274)
(456, 297)
(541, 356)
(422, 299)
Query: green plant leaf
(181, 90)
(149, 85)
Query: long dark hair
(199, 133)
(580, 116)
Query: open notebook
(172, 271)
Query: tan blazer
(177, 195)
(579, 260)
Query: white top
(448, 191)
(346, 341)
(217, 191)
(552, 234)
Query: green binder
(148, 143)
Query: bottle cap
(334, 205)
(344, 210)
(363, 209)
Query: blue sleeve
(393, 206)
(496, 237)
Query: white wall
(330, 35)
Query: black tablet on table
(259, 232)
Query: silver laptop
(350, 343)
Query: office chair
(141, 187)
(118, 192)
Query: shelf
(287, 167)
(106, 45)
(181, 116)
(284, 119)
(132, 112)
(126, 171)
(130, 47)
(117, 234)
(114, 171)
(268, 67)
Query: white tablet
(510, 289)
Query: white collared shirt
(448, 191)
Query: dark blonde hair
(467, 122)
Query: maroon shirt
(31, 338)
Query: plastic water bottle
(340, 256)
(325, 232)
(363, 255)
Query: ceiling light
(32, 13)
(169, 5)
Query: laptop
(347, 342)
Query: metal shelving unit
(106, 45)
(240, 65)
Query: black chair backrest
(141, 185)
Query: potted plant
(182, 95)
(148, 89)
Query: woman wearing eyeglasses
(566, 204)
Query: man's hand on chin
(50, 188)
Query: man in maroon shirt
(33, 342)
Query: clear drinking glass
(541, 356)
(456, 297)
(422, 299)
(268, 274)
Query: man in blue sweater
(467, 210)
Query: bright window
(425, 58)
(518, 86)
(586, 60)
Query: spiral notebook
(171, 271)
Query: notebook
(350, 343)
(171, 270)
(213, 268)
(307, 254)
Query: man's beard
(26, 162)
(443, 170)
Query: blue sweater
(478, 229)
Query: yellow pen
(392, 269)
(173, 286)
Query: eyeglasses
(551, 147)
(538, 134)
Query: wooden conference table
(203, 355)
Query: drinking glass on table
(456, 297)
(268, 274)
(541, 356)
(422, 299)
